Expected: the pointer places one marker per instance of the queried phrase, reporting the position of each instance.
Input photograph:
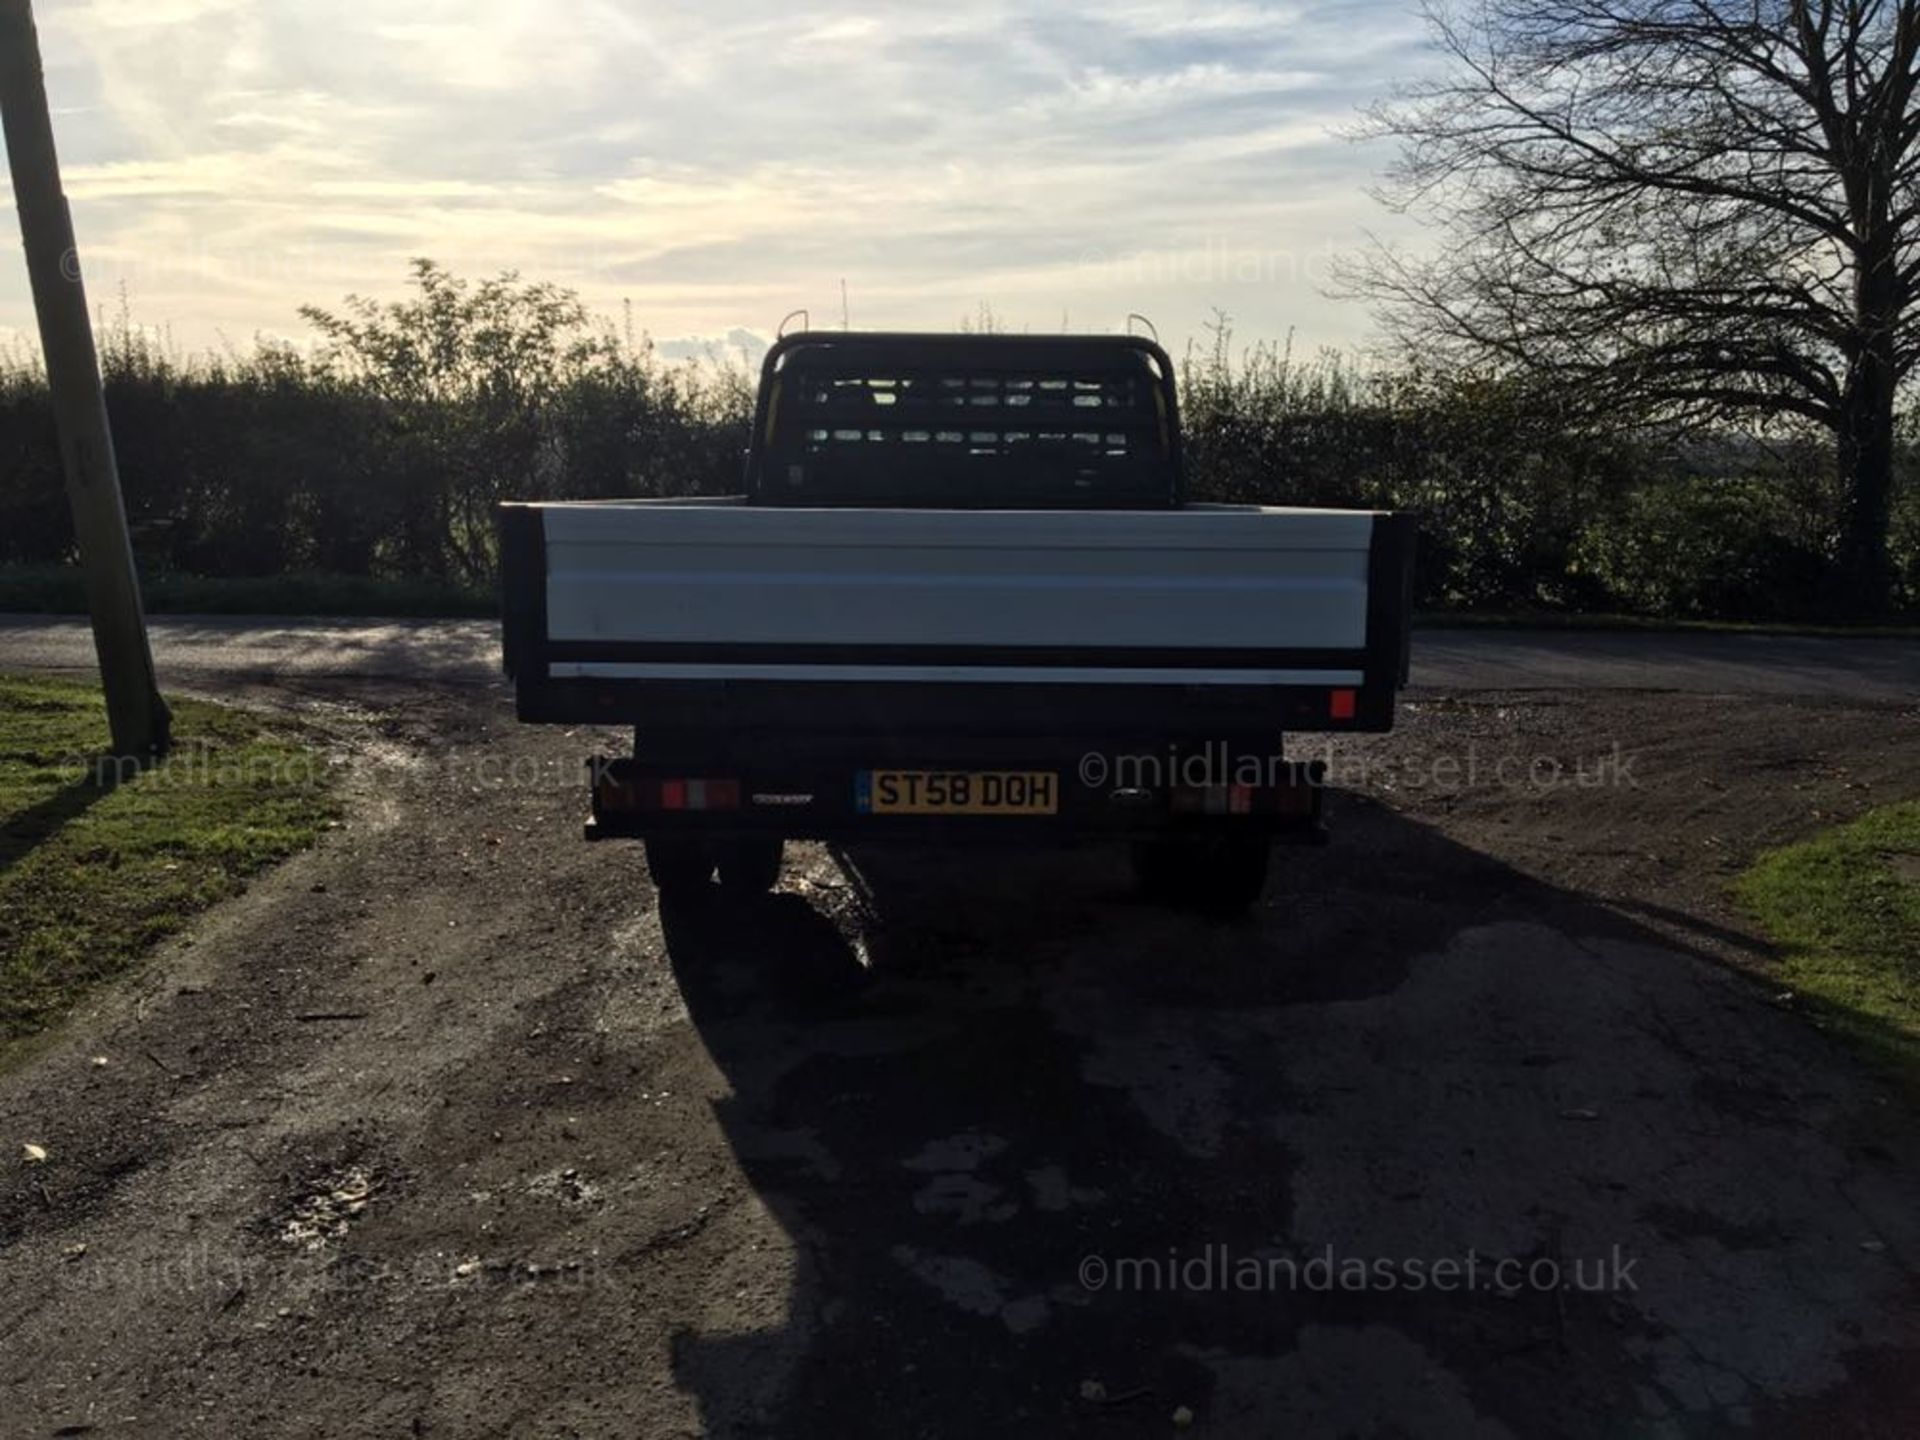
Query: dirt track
(851, 1163)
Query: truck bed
(678, 614)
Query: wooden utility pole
(136, 714)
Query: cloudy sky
(721, 163)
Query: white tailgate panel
(1227, 577)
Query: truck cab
(969, 421)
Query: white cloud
(721, 164)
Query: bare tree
(1691, 210)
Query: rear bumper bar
(819, 802)
(933, 831)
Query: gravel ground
(445, 1129)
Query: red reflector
(1240, 799)
(686, 794)
(1343, 704)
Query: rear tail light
(1215, 799)
(1342, 704)
(1293, 799)
(689, 794)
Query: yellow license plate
(957, 792)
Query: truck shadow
(970, 1088)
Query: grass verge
(1845, 910)
(97, 864)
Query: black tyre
(679, 867)
(751, 866)
(1159, 867)
(1215, 875)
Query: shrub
(383, 454)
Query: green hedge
(367, 472)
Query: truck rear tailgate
(680, 613)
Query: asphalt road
(204, 649)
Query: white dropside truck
(963, 598)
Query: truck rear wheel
(751, 866)
(1216, 875)
(678, 866)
